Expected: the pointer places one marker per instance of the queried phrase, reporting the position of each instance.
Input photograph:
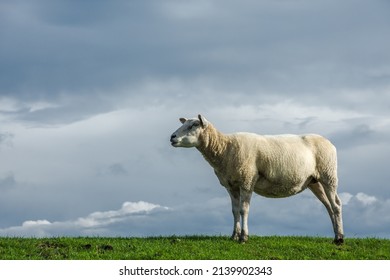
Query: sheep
(273, 166)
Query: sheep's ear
(203, 121)
(183, 120)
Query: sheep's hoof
(235, 236)
(243, 239)
(338, 241)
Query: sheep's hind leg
(235, 197)
(338, 225)
(319, 191)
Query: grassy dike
(192, 248)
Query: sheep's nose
(173, 136)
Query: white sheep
(271, 166)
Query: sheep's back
(285, 158)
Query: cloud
(98, 219)
(31, 224)
(359, 199)
(366, 199)
(367, 215)
(51, 50)
(345, 197)
(94, 223)
(11, 105)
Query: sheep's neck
(213, 145)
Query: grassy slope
(192, 247)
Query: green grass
(192, 248)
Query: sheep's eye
(193, 125)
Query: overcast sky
(90, 92)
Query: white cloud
(360, 198)
(345, 197)
(366, 199)
(106, 218)
(38, 223)
(97, 222)
(366, 215)
(12, 105)
(40, 105)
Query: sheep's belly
(268, 189)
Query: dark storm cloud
(54, 47)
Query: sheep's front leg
(235, 197)
(245, 199)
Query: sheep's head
(187, 135)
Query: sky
(90, 92)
